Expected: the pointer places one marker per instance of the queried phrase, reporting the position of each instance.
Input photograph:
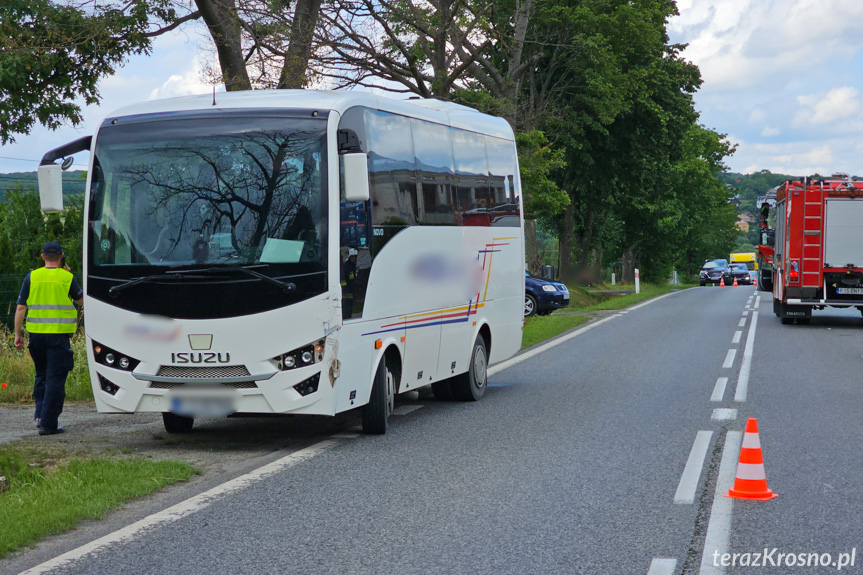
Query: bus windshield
(196, 192)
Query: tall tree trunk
(224, 26)
(531, 249)
(596, 266)
(629, 265)
(567, 272)
(300, 50)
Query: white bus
(296, 252)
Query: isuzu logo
(195, 357)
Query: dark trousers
(52, 356)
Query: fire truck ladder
(813, 218)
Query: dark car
(713, 271)
(739, 272)
(541, 296)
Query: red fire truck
(817, 253)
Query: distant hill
(73, 182)
(750, 186)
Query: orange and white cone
(751, 479)
(735, 283)
(722, 281)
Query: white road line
(662, 567)
(742, 322)
(729, 359)
(746, 364)
(405, 409)
(719, 389)
(692, 472)
(719, 524)
(184, 508)
(745, 312)
(497, 368)
(737, 336)
(723, 414)
(546, 346)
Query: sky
(783, 79)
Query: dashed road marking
(736, 338)
(729, 358)
(662, 567)
(723, 414)
(685, 493)
(719, 389)
(742, 322)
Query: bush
(17, 372)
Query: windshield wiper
(115, 291)
(287, 287)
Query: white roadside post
(612, 278)
(637, 282)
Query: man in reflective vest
(47, 298)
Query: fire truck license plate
(849, 291)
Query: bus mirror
(51, 187)
(356, 174)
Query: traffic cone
(735, 283)
(722, 281)
(750, 482)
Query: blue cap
(52, 248)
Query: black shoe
(46, 431)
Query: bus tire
(177, 423)
(470, 386)
(377, 411)
(442, 390)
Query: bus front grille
(212, 372)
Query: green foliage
(53, 54)
(541, 328)
(24, 229)
(43, 500)
(537, 159)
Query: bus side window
(471, 167)
(434, 172)
(501, 168)
(392, 172)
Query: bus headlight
(113, 358)
(300, 357)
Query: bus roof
(447, 113)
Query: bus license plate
(849, 291)
(203, 406)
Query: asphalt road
(570, 464)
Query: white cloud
(188, 83)
(839, 104)
(768, 132)
(757, 115)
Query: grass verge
(45, 491)
(541, 328)
(647, 291)
(17, 373)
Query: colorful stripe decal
(453, 315)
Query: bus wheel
(471, 386)
(377, 411)
(177, 423)
(442, 390)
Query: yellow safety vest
(49, 308)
